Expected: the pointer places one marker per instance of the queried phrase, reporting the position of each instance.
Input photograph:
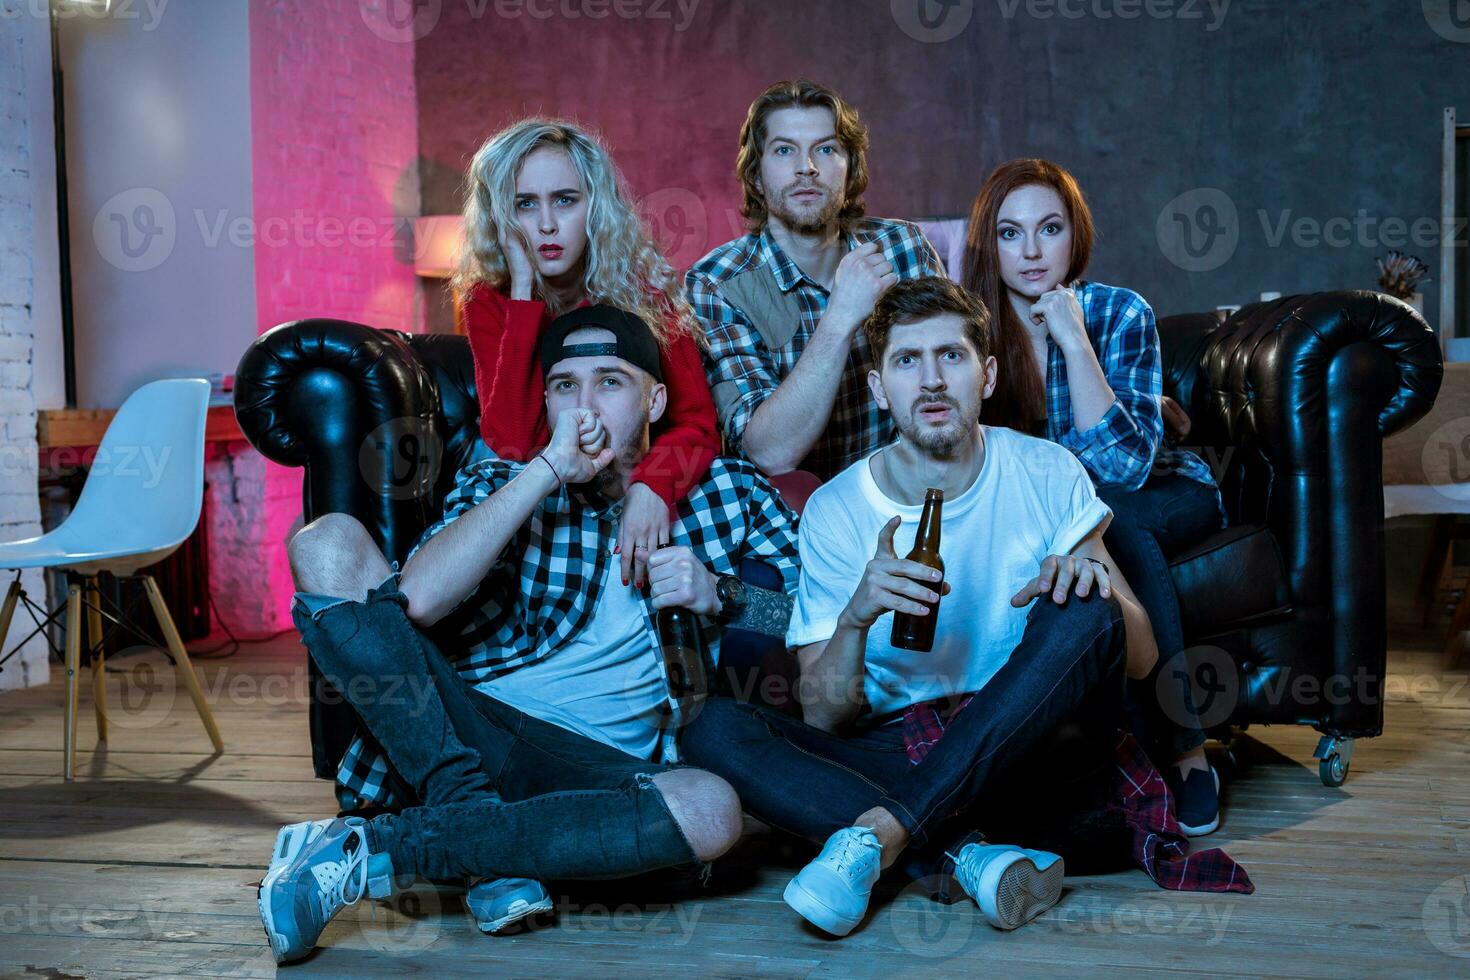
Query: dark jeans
(502, 793)
(1069, 663)
(1166, 516)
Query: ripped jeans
(503, 794)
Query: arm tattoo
(765, 612)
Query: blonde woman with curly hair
(549, 227)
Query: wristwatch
(730, 590)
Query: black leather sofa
(1284, 610)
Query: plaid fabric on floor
(1139, 793)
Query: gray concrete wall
(1301, 113)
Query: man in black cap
(545, 748)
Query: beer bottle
(917, 632)
(682, 643)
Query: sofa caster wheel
(1336, 758)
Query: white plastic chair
(141, 501)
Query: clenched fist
(579, 447)
(862, 278)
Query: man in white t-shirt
(1022, 527)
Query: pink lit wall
(335, 190)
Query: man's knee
(334, 555)
(1094, 620)
(705, 807)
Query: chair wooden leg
(8, 612)
(73, 663)
(99, 656)
(182, 666)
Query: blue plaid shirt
(745, 367)
(544, 586)
(1127, 443)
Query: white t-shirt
(603, 683)
(1031, 499)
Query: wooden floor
(147, 864)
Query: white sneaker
(1012, 885)
(298, 898)
(832, 892)
(293, 838)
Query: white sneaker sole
(1014, 893)
(818, 912)
(267, 920)
(519, 911)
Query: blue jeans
(1069, 664)
(1166, 516)
(502, 793)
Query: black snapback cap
(633, 341)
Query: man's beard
(938, 443)
(611, 482)
(807, 224)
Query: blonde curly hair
(624, 266)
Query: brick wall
(20, 513)
(334, 129)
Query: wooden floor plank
(147, 864)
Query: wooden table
(81, 427)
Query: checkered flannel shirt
(544, 587)
(1127, 444)
(744, 371)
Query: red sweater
(503, 333)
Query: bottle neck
(928, 533)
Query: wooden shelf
(81, 427)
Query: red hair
(1020, 395)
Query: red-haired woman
(1079, 365)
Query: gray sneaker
(499, 903)
(327, 873)
(382, 882)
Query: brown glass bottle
(682, 643)
(917, 632)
